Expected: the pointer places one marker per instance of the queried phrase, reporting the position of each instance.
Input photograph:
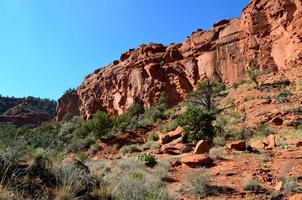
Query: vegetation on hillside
(45, 105)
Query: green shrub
(130, 180)
(198, 124)
(161, 170)
(219, 140)
(101, 124)
(148, 159)
(7, 180)
(152, 137)
(237, 84)
(170, 126)
(252, 186)
(253, 73)
(216, 152)
(151, 145)
(290, 185)
(94, 148)
(200, 184)
(163, 102)
(71, 182)
(81, 156)
(130, 148)
(67, 117)
(263, 129)
(282, 97)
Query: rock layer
(267, 35)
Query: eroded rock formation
(268, 34)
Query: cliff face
(269, 34)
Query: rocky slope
(267, 35)
(29, 110)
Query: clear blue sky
(48, 46)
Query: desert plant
(290, 184)
(8, 179)
(170, 126)
(253, 73)
(201, 184)
(101, 124)
(130, 181)
(216, 152)
(150, 145)
(204, 96)
(148, 159)
(152, 137)
(252, 186)
(81, 156)
(71, 183)
(263, 129)
(237, 84)
(202, 110)
(130, 148)
(198, 124)
(94, 148)
(161, 169)
(219, 140)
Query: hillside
(218, 116)
(29, 110)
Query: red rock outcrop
(269, 34)
(24, 114)
(71, 103)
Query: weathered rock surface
(237, 145)
(197, 160)
(71, 102)
(202, 147)
(172, 135)
(268, 33)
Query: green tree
(101, 123)
(198, 119)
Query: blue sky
(48, 46)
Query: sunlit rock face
(268, 33)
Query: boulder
(170, 136)
(197, 160)
(202, 147)
(176, 149)
(237, 145)
(270, 142)
(295, 142)
(257, 145)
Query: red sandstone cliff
(268, 33)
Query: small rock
(237, 145)
(270, 142)
(296, 197)
(257, 145)
(170, 136)
(197, 160)
(295, 142)
(202, 147)
(175, 149)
